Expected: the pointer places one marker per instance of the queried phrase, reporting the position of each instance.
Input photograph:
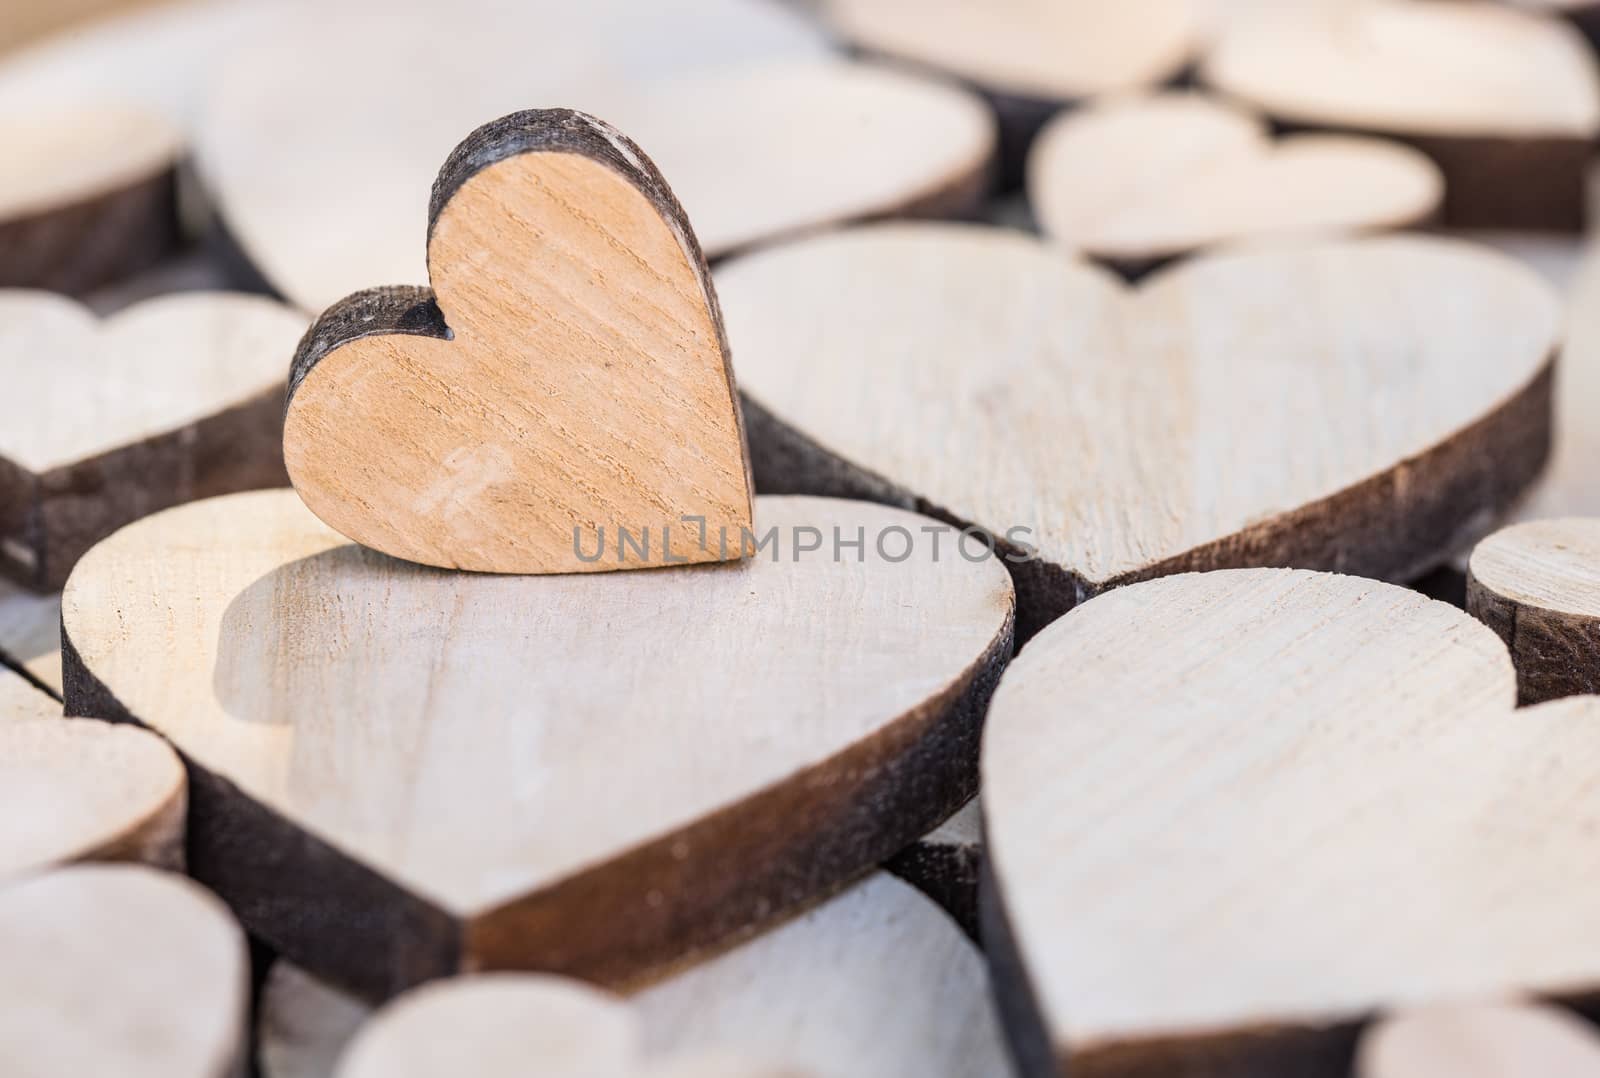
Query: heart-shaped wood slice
(571, 380)
(1362, 406)
(874, 981)
(1135, 181)
(103, 422)
(378, 750)
(1538, 585)
(1507, 102)
(23, 702)
(1229, 815)
(86, 196)
(1584, 14)
(1485, 1040)
(1029, 57)
(944, 865)
(120, 969)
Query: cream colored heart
(1229, 815)
(1481, 1040)
(1363, 406)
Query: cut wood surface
(874, 981)
(87, 196)
(349, 718)
(1136, 180)
(566, 379)
(1363, 406)
(120, 969)
(754, 151)
(103, 422)
(30, 634)
(22, 702)
(1198, 789)
(22, 23)
(1485, 1040)
(944, 865)
(1507, 102)
(1537, 584)
(84, 790)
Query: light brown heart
(1366, 406)
(1231, 815)
(566, 379)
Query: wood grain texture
(873, 981)
(1484, 1040)
(170, 400)
(1537, 585)
(944, 864)
(30, 635)
(1229, 815)
(347, 718)
(1506, 102)
(566, 379)
(1028, 57)
(120, 969)
(1137, 180)
(984, 378)
(84, 790)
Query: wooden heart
(103, 422)
(23, 702)
(30, 635)
(1485, 1040)
(571, 381)
(1507, 102)
(88, 196)
(1135, 181)
(944, 863)
(1363, 406)
(1231, 814)
(377, 750)
(874, 981)
(120, 969)
(1537, 584)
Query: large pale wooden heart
(567, 379)
(103, 422)
(377, 750)
(1137, 180)
(1363, 406)
(120, 969)
(873, 981)
(1230, 815)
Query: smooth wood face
(874, 981)
(1140, 179)
(944, 864)
(83, 790)
(117, 969)
(1486, 1040)
(1139, 433)
(173, 399)
(1197, 789)
(30, 634)
(1537, 584)
(567, 379)
(349, 718)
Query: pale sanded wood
(348, 718)
(120, 969)
(22, 702)
(1199, 789)
(1136, 180)
(1506, 101)
(1537, 584)
(875, 981)
(566, 379)
(84, 790)
(944, 864)
(22, 23)
(30, 634)
(1140, 433)
(173, 399)
(376, 105)
(1485, 1040)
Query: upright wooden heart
(1232, 814)
(379, 752)
(1365, 406)
(570, 382)
(874, 981)
(1484, 1040)
(120, 969)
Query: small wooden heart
(1229, 815)
(1507, 102)
(568, 379)
(1138, 180)
(103, 422)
